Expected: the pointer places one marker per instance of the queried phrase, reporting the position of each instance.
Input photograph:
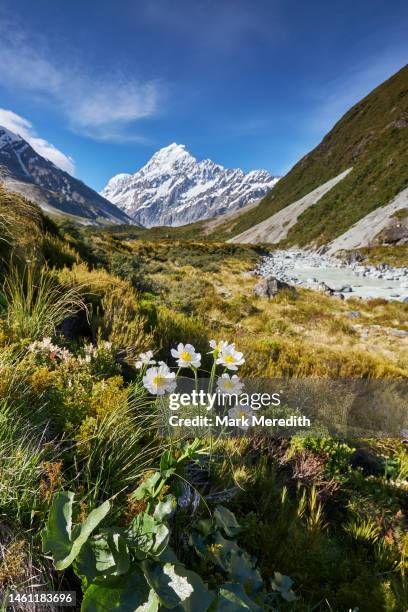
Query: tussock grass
(36, 303)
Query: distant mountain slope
(24, 171)
(372, 139)
(276, 228)
(173, 188)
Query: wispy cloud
(101, 108)
(24, 128)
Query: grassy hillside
(371, 138)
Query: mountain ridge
(26, 172)
(174, 188)
(371, 139)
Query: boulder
(270, 286)
(326, 289)
(370, 464)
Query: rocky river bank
(332, 275)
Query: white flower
(46, 346)
(242, 414)
(65, 355)
(217, 346)
(230, 385)
(230, 358)
(186, 356)
(145, 359)
(89, 349)
(159, 380)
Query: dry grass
(308, 334)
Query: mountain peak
(174, 188)
(170, 157)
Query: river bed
(311, 270)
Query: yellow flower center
(242, 414)
(229, 359)
(159, 380)
(185, 356)
(228, 384)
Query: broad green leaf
(204, 526)
(63, 542)
(165, 508)
(56, 538)
(147, 536)
(147, 487)
(219, 551)
(242, 569)
(283, 584)
(176, 586)
(129, 593)
(226, 521)
(105, 554)
(232, 598)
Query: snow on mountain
(28, 173)
(173, 188)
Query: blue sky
(99, 86)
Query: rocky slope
(24, 171)
(173, 188)
(371, 138)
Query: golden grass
(308, 335)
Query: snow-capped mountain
(38, 179)
(173, 188)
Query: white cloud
(24, 128)
(101, 108)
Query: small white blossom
(218, 345)
(241, 414)
(230, 358)
(65, 355)
(89, 349)
(46, 347)
(159, 380)
(229, 385)
(145, 359)
(186, 356)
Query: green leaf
(242, 569)
(147, 536)
(129, 593)
(147, 487)
(219, 551)
(176, 586)
(167, 461)
(232, 598)
(59, 539)
(105, 554)
(226, 521)
(283, 585)
(204, 526)
(165, 508)
(56, 537)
